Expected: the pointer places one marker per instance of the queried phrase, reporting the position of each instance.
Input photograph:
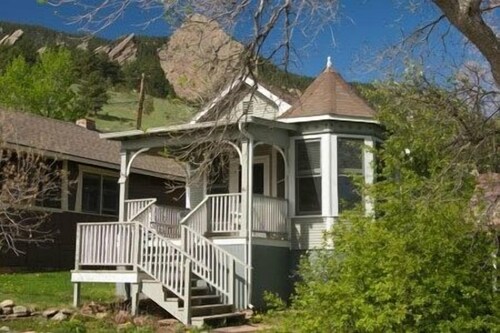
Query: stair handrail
(221, 274)
(187, 219)
(167, 264)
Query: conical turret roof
(330, 94)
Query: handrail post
(136, 246)
(183, 238)
(77, 246)
(232, 278)
(187, 291)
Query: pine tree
(92, 93)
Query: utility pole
(141, 103)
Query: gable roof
(330, 95)
(76, 143)
(282, 99)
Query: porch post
(122, 289)
(122, 181)
(244, 186)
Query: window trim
(292, 174)
(79, 192)
(367, 167)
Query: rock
(124, 51)
(140, 321)
(59, 316)
(4, 329)
(200, 59)
(12, 38)
(168, 322)
(49, 313)
(67, 311)
(8, 303)
(102, 315)
(122, 317)
(7, 310)
(83, 45)
(20, 311)
(125, 326)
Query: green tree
(44, 88)
(423, 264)
(92, 94)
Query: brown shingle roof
(73, 141)
(329, 94)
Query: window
(100, 194)
(350, 164)
(308, 177)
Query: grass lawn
(120, 113)
(54, 289)
(51, 289)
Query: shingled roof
(74, 142)
(330, 95)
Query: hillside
(121, 111)
(182, 71)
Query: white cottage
(281, 180)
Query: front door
(261, 183)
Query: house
(278, 177)
(90, 191)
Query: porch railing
(217, 213)
(222, 213)
(105, 244)
(135, 207)
(164, 219)
(270, 215)
(225, 212)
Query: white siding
(259, 107)
(307, 233)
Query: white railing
(270, 215)
(133, 244)
(104, 244)
(136, 207)
(217, 213)
(225, 212)
(211, 262)
(197, 219)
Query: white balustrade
(270, 215)
(211, 262)
(105, 244)
(225, 212)
(137, 206)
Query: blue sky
(364, 27)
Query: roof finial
(329, 62)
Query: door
(261, 184)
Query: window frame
(312, 174)
(98, 172)
(347, 172)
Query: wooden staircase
(194, 282)
(206, 306)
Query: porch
(217, 215)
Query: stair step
(211, 309)
(225, 319)
(202, 300)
